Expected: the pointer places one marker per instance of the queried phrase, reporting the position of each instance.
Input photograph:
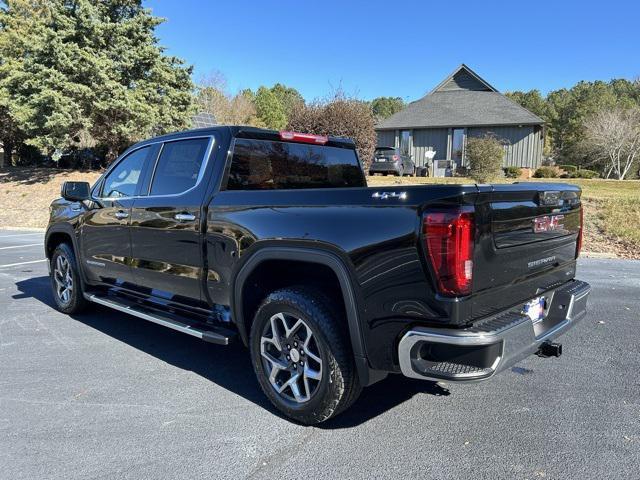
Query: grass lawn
(612, 208)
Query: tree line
(83, 80)
(592, 124)
(87, 79)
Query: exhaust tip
(549, 349)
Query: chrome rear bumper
(492, 345)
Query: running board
(212, 334)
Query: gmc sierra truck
(273, 239)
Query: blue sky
(402, 48)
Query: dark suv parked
(389, 160)
(274, 239)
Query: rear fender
(302, 254)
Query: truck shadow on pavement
(229, 367)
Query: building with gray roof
(463, 105)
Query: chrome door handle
(184, 217)
(120, 215)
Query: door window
(179, 166)
(123, 180)
(457, 146)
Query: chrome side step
(212, 334)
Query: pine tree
(72, 69)
(269, 109)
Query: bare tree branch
(613, 136)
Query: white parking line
(21, 246)
(22, 263)
(21, 235)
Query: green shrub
(546, 172)
(512, 172)
(568, 168)
(485, 158)
(584, 173)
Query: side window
(178, 166)
(124, 178)
(272, 165)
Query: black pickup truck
(275, 240)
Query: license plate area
(555, 311)
(535, 309)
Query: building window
(457, 146)
(404, 141)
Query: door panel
(105, 240)
(165, 225)
(166, 251)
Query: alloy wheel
(291, 357)
(63, 278)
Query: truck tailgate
(527, 243)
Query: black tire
(338, 387)
(399, 173)
(371, 174)
(385, 174)
(75, 301)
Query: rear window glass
(179, 166)
(385, 149)
(271, 165)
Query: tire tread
(343, 375)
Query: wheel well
(271, 275)
(56, 239)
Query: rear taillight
(579, 245)
(304, 137)
(395, 158)
(449, 238)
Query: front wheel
(301, 355)
(65, 280)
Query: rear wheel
(65, 280)
(301, 355)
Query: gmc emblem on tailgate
(548, 223)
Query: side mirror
(75, 191)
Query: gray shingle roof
(463, 99)
(461, 108)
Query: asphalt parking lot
(105, 395)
